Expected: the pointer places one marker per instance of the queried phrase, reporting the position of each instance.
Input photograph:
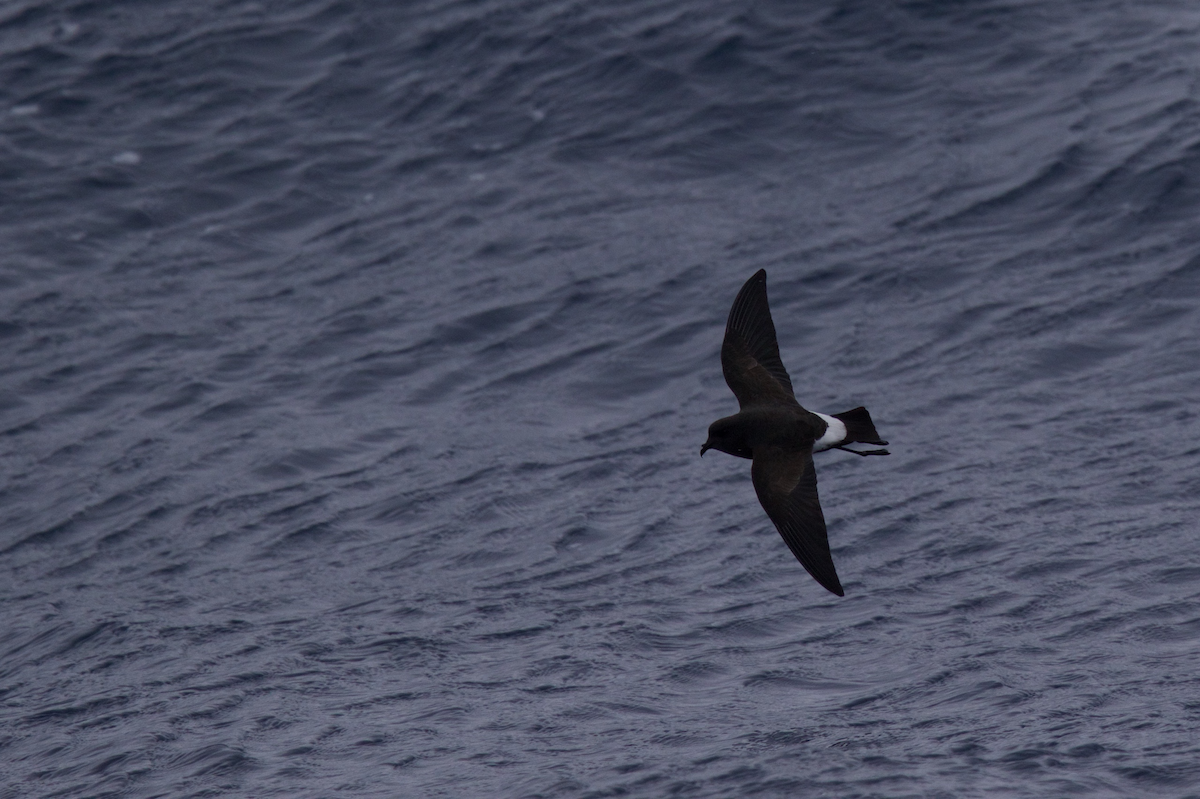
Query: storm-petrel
(778, 435)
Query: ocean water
(356, 359)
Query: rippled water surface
(356, 357)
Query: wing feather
(786, 484)
(750, 353)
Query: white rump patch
(835, 434)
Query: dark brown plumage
(780, 436)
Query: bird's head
(725, 435)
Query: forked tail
(859, 426)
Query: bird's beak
(705, 447)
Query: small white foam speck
(128, 158)
(476, 176)
(537, 114)
(27, 110)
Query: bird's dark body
(779, 435)
(763, 426)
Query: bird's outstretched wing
(750, 352)
(786, 483)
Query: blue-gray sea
(355, 358)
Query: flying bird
(780, 436)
